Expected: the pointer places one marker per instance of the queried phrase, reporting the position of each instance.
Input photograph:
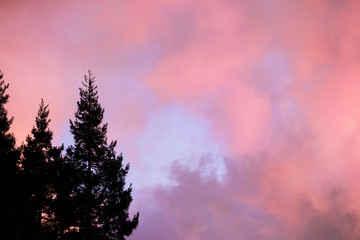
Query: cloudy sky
(240, 119)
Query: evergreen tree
(9, 174)
(100, 177)
(38, 155)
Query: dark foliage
(102, 202)
(44, 195)
(39, 177)
(10, 207)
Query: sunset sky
(240, 118)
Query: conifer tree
(101, 199)
(38, 155)
(9, 173)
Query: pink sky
(240, 119)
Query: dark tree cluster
(49, 192)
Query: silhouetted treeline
(49, 193)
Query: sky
(240, 119)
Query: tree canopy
(46, 193)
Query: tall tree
(99, 187)
(38, 155)
(9, 172)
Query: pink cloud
(277, 84)
(263, 198)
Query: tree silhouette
(10, 212)
(101, 200)
(45, 195)
(37, 162)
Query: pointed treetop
(89, 84)
(41, 119)
(42, 135)
(89, 79)
(5, 122)
(3, 97)
(88, 125)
